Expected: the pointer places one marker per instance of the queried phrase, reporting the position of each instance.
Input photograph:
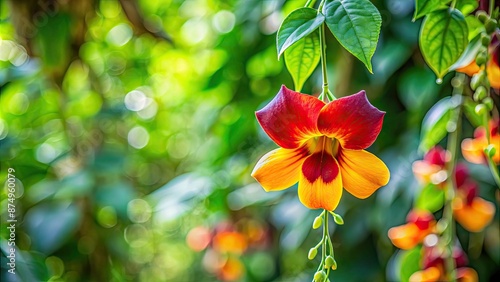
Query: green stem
(452, 147)
(325, 235)
(492, 7)
(453, 4)
(322, 43)
(494, 171)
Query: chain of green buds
(481, 85)
(328, 262)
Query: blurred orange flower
(230, 242)
(475, 215)
(471, 211)
(473, 148)
(231, 270)
(432, 168)
(420, 223)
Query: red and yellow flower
(322, 147)
(473, 148)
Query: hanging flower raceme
(322, 147)
(419, 224)
(471, 211)
(473, 148)
(492, 66)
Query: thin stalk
(326, 238)
(453, 3)
(494, 171)
(452, 147)
(322, 43)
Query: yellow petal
(472, 150)
(475, 216)
(467, 274)
(493, 71)
(362, 172)
(320, 184)
(405, 236)
(280, 168)
(430, 274)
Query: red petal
(320, 184)
(352, 120)
(290, 118)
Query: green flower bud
(482, 16)
(329, 262)
(480, 59)
(480, 93)
(485, 40)
(490, 151)
(490, 25)
(338, 219)
(488, 102)
(318, 221)
(480, 109)
(319, 276)
(312, 253)
(476, 80)
(334, 265)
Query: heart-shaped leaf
(296, 26)
(302, 58)
(356, 25)
(443, 39)
(424, 7)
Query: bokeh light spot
(138, 137)
(107, 217)
(139, 211)
(224, 21)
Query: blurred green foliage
(123, 143)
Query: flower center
(326, 144)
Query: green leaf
(302, 58)
(409, 263)
(424, 7)
(467, 6)
(296, 26)
(356, 25)
(431, 198)
(434, 126)
(443, 39)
